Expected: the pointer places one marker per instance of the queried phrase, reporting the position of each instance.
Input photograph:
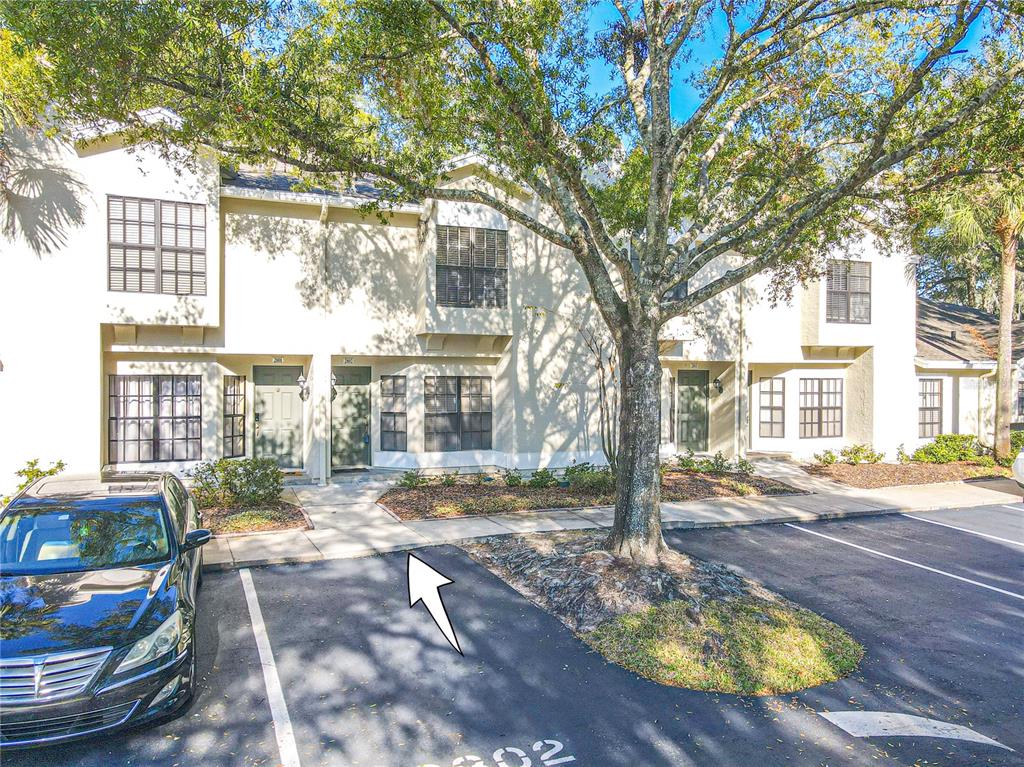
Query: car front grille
(48, 677)
(41, 730)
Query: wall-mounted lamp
(303, 389)
(717, 383)
(334, 386)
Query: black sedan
(98, 587)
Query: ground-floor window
(821, 407)
(234, 416)
(773, 407)
(154, 418)
(1020, 398)
(929, 410)
(393, 417)
(457, 413)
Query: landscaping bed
(225, 520)
(871, 475)
(468, 497)
(684, 622)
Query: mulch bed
(222, 520)
(871, 475)
(436, 501)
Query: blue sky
(684, 98)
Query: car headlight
(157, 644)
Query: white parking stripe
(906, 561)
(885, 724)
(964, 530)
(1014, 508)
(275, 695)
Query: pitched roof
(955, 333)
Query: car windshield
(72, 536)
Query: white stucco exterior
(307, 280)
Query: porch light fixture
(303, 389)
(334, 386)
(717, 383)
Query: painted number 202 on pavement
(547, 753)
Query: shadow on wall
(356, 270)
(40, 200)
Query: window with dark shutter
(929, 410)
(457, 413)
(821, 407)
(154, 418)
(848, 292)
(773, 407)
(1020, 399)
(156, 246)
(393, 418)
(472, 267)
(234, 416)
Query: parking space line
(275, 695)
(906, 561)
(964, 530)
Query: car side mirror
(195, 539)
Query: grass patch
(745, 645)
(282, 516)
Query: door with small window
(692, 410)
(350, 418)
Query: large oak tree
(721, 126)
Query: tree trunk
(636, 533)
(1004, 365)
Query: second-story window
(848, 292)
(156, 246)
(472, 267)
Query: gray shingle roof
(954, 333)
(281, 182)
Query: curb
(672, 525)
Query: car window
(73, 536)
(179, 504)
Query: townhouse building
(155, 314)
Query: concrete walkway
(348, 523)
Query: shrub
(245, 482)
(948, 448)
(450, 478)
(575, 469)
(854, 454)
(411, 479)
(743, 466)
(717, 464)
(983, 460)
(826, 457)
(1016, 442)
(30, 472)
(542, 478)
(595, 481)
(687, 462)
(901, 454)
(512, 477)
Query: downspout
(325, 419)
(981, 409)
(740, 436)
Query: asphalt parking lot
(367, 681)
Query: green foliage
(902, 456)
(592, 480)
(743, 466)
(687, 462)
(1016, 442)
(826, 457)
(449, 479)
(412, 478)
(987, 461)
(716, 464)
(512, 477)
(542, 478)
(948, 448)
(575, 468)
(32, 471)
(237, 482)
(854, 454)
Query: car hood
(60, 612)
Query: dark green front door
(692, 410)
(278, 414)
(350, 418)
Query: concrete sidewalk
(348, 523)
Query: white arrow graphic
(424, 585)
